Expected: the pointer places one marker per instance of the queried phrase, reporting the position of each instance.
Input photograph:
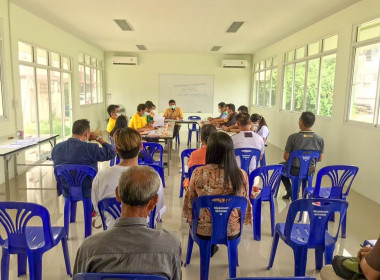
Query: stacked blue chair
(305, 158)
(116, 160)
(214, 203)
(113, 208)
(185, 154)
(194, 127)
(341, 176)
(269, 183)
(245, 155)
(29, 242)
(273, 278)
(102, 276)
(315, 235)
(148, 151)
(74, 175)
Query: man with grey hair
(131, 246)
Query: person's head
(220, 151)
(127, 142)
(150, 106)
(243, 121)
(243, 109)
(121, 122)
(258, 122)
(206, 131)
(81, 128)
(222, 107)
(230, 108)
(172, 104)
(306, 120)
(141, 109)
(138, 187)
(113, 111)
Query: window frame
(95, 65)
(306, 59)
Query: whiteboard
(193, 93)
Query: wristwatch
(98, 137)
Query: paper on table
(20, 143)
(158, 121)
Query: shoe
(214, 249)
(287, 196)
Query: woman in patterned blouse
(220, 176)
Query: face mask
(173, 107)
(254, 126)
(118, 114)
(152, 111)
(145, 114)
(225, 113)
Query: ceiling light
(141, 47)
(124, 25)
(234, 26)
(215, 48)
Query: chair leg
(5, 265)
(272, 216)
(262, 161)
(35, 265)
(205, 252)
(318, 258)
(232, 258)
(329, 252)
(256, 208)
(73, 212)
(21, 263)
(189, 137)
(66, 216)
(300, 260)
(344, 225)
(273, 250)
(66, 256)
(190, 244)
(295, 189)
(87, 216)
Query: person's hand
(93, 136)
(224, 128)
(176, 118)
(364, 251)
(209, 118)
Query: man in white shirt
(247, 138)
(128, 144)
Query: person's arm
(370, 261)
(286, 156)
(106, 152)
(94, 194)
(320, 157)
(189, 197)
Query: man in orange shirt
(174, 113)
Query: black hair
(111, 108)
(308, 119)
(206, 131)
(231, 106)
(221, 104)
(171, 101)
(262, 122)
(220, 151)
(141, 107)
(243, 109)
(121, 122)
(242, 119)
(80, 127)
(149, 104)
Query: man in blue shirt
(76, 150)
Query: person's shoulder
(171, 237)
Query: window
(45, 82)
(2, 114)
(309, 74)
(365, 91)
(264, 81)
(90, 79)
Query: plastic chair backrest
(274, 278)
(159, 170)
(101, 276)
(110, 205)
(191, 169)
(270, 181)
(73, 175)
(194, 125)
(305, 158)
(16, 227)
(220, 207)
(245, 155)
(319, 212)
(148, 154)
(339, 176)
(185, 154)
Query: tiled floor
(37, 185)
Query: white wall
(131, 85)
(345, 143)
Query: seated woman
(198, 157)
(220, 176)
(259, 125)
(121, 122)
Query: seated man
(131, 246)
(138, 121)
(174, 113)
(306, 139)
(113, 112)
(235, 128)
(247, 139)
(76, 150)
(231, 118)
(150, 110)
(128, 144)
(222, 110)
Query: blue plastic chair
(370, 242)
(115, 160)
(273, 278)
(75, 182)
(301, 237)
(148, 151)
(269, 183)
(305, 158)
(101, 276)
(185, 154)
(339, 176)
(220, 207)
(193, 128)
(160, 171)
(29, 242)
(113, 207)
(245, 155)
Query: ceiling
(183, 26)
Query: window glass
(273, 87)
(267, 88)
(88, 84)
(56, 102)
(87, 59)
(28, 100)
(81, 57)
(369, 30)
(289, 56)
(300, 53)
(312, 85)
(94, 86)
(262, 64)
(313, 48)
(327, 84)
(66, 63)
(25, 52)
(42, 56)
(330, 43)
(94, 62)
(66, 86)
(82, 89)
(100, 86)
(262, 89)
(55, 60)
(288, 87)
(43, 100)
(268, 63)
(299, 86)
